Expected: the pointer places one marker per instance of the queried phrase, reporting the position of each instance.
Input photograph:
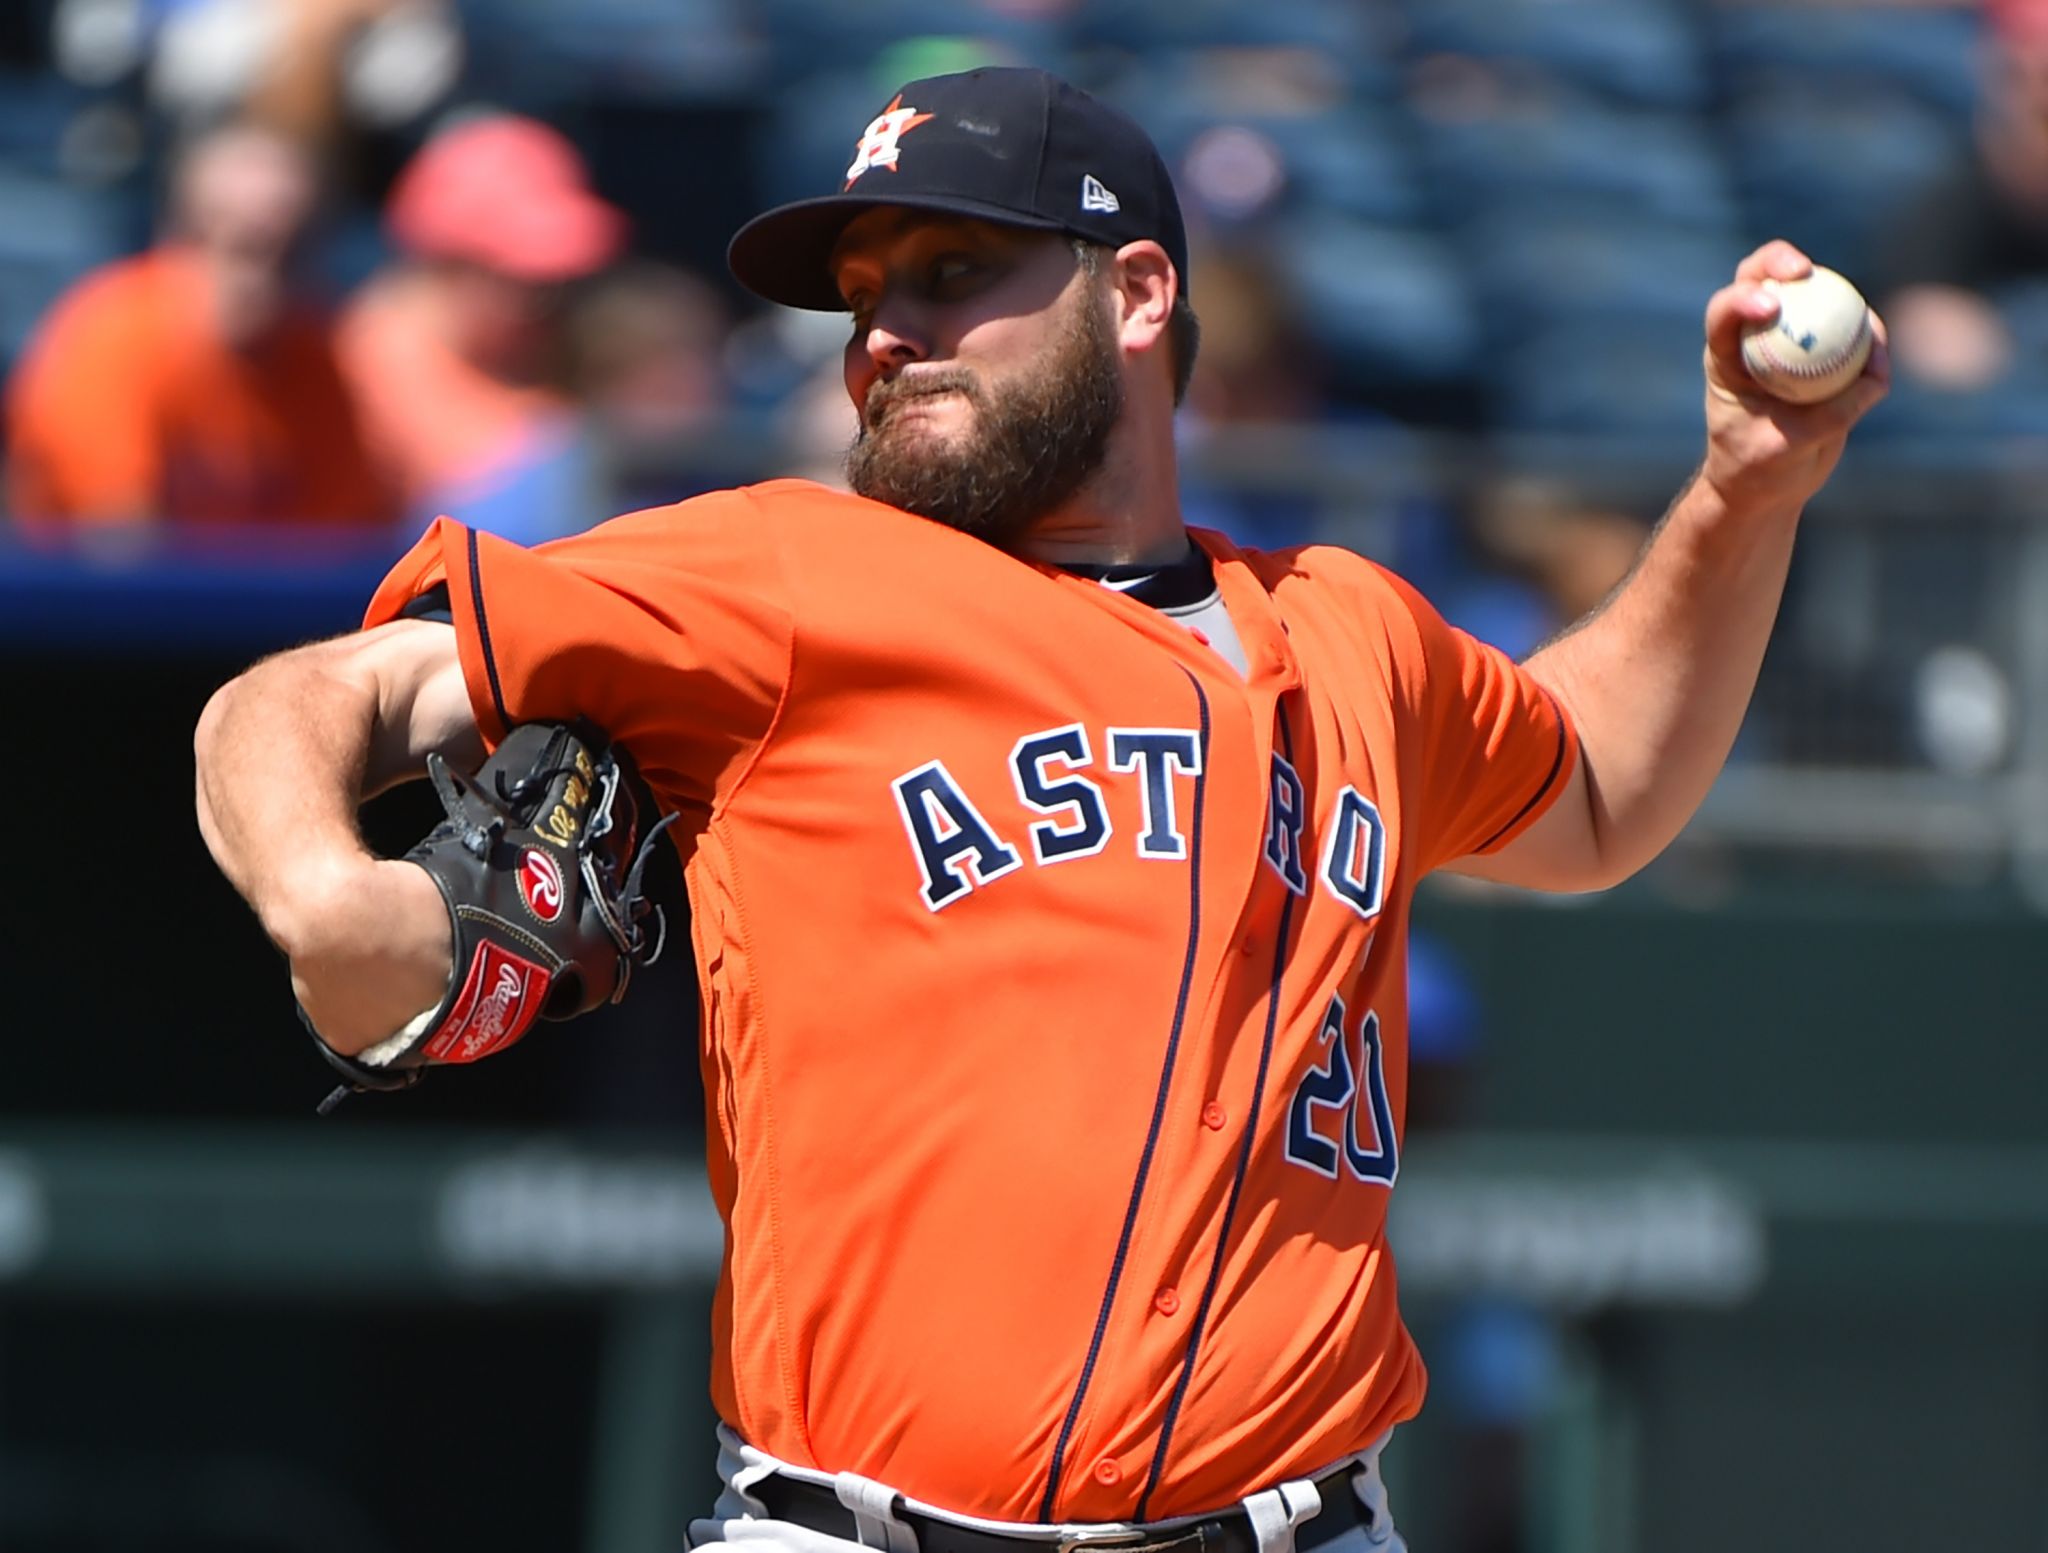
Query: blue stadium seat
(1832, 166)
(35, 108)
(1641, 379)
(1538, 271)
(2024, 306)
(1357, 33)
(1352, 161)
(52, 234)
(1930, 51)
(1965, 424)
(1641, 52)
(1390, 304)
(1353, 158)
(1543, 146)
(537, 52)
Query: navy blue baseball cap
(1016, 146)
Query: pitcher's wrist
(317, 899)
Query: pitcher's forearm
(280, 755)
(1658, 680)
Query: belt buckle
(1115, 1539)
(1194, 1535)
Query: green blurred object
(916, 59)
(1748, 1324)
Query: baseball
(1818, 343)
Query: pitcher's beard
(1028, 447)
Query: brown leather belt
(816, 1507)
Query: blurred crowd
(352, 263)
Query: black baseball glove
(540, 861)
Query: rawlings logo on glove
(540, 862)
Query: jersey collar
(1174, 585)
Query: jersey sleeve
(1496, 747)
(668, 629)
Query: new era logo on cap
(1095, 197)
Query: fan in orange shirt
(191, 383)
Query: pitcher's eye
(954, 274)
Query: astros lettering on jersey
(1054, 1017)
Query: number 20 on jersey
(1340, 1122)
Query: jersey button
(1107, 1472)
(1166, 1301)
(1249, 946)
(1214, 1116)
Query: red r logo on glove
(540, 884)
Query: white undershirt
(1206, 619)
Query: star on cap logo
(878, 147)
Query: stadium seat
(1929, 51)
(1352, 158)
(1358, 35)
(2024, 306)
(536, 52)
(1640, 380)
(53, 233)
(1640, 52)
(1543, 145)
(1833, 166)
(1390, 304)
(1592, 270)
(1964, 424)
(35, 108)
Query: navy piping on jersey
(483, 631)
(1556, 765)
(1244, 1159)
(1180, 1009)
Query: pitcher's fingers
(1776, 260)
(1747, 302)
(1863, 394)
(1731, 312)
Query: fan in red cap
(508, 194)
(447, 348)
(2017, 21)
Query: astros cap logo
(1000, 143)
(878, 147)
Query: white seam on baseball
(1816, 368)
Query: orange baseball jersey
(1054, 1007)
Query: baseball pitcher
(1050, 862)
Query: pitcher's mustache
(886, 396)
